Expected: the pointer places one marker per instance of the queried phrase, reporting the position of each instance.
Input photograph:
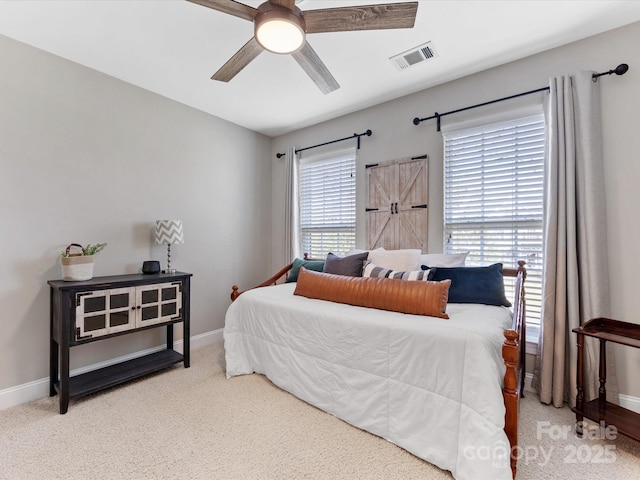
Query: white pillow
(354, 252)
(399, 260)
(443, 260)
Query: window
(493, 199)
(327, 189)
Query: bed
(446, 390)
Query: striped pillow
(372, 270)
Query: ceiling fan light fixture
(280, 30)
(281, 27)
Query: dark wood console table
(599, 409)
(105, 307)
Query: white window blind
(493, 198)
(327, 189)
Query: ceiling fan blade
(229, 6)
(364, 17)
(241, 59)
(319, 73)
(285, 3)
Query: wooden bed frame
(513, 351)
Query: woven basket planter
(77, 267)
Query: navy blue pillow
(315, 265)
(474, 284)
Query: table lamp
(169, 232)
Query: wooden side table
(599, 409)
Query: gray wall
(394, 136)
(87, 158)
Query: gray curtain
(291, 208)
(576, 277)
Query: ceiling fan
(281, 27)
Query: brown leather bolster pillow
(417, 298)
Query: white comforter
(431, 386)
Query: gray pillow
(350, 266)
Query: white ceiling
(172, 47)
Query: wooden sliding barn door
(397, 195)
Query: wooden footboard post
(513, 354)
(511, 393)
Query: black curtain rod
(619, 70)
(355, 135)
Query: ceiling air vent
(414, 56)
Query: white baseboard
(629, 402)
(12, 396)
(528, 378)
(202, 340)
(625, 401)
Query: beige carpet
(194, 424)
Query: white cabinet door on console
(103, 312)
(158, 303)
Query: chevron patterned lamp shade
(169, 232)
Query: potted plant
(78, 266)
